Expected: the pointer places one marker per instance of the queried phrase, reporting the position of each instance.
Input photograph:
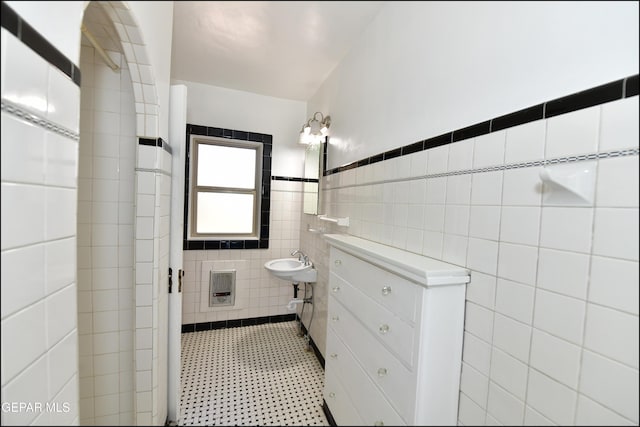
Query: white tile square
(489, 149)
(563, 272)
(144, 317)
(619, 125)
(566, 228)
(482, 289)
(479, 321)
(60, 319)
(486, 188)
(432, 244)
(559, 315)
(23, 331)
(525, 143)
(460, 155)
(515, 300)
(106, 123)
(436, 190)
(507, 409)
(474, 384)
(510, 373)
(522, 187)
(552, 399)
(617, 184)
(23, 224)
(23, 146)
(573, 133)
(456, 220)
(105, 300)
(590, 413)
(484, 222)
(437, 160)
(104, 190)
(104, 212)
(106, 384)
(520, 224)
(611, 231)
(434, 217)
(476, 353)
(105, 321)
(104, 235)
(611, 384)
(60, 219)
(556, 358)
(23, 278)
(418, 163)
(482, 255)
(469, 412)
(459, 189)
(61, 161)
(105, 256)
(534, 418)
(104, 343)
(26, 387)
(612, 333)
(518, 263)
(512, 337)
(614, 283)
(454, 249)
(63, 100)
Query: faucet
(301, 256)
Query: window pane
(225, 213)
(221, 166)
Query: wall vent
(222, 287)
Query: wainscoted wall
(40, 116)
(551, 328)
(259, 293)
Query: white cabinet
(394, 335)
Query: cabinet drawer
(338, 401)
(396, 293)
(396, 381)
(369, 402)
(395, 333)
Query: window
(226, 182)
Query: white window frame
(195, 141)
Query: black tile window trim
(235, 323)
(159, 142)
(290, 178)
(619, 89)
(265, 206)
(24, 32)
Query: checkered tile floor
(252, 375)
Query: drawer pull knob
(386, 290)
(335, 318)
(338, 262)
(384, 329)
(336, 288)
(382, 372)
(334, 356)
(378, 423)
(332, 394)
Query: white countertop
(418, 268)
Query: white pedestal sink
(292, 270)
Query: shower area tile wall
(258, 293)
(551, 323)
(106, 297)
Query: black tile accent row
(267, 142)
(158, 142)
(236, 323)
(618, 89)
(328, 414)
(17, 26)
(290, 178)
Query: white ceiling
(278, 48)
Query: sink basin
(291, 269)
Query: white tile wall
(266, 295)
(107, 155)
(554, 289)
(39, 199)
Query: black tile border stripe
(328, 414)
(24, 32)
(236, 323)
(158, 142)
(613, 91)
(265, 208)
(290, 178)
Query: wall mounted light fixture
(315, 130)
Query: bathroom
(551, 311)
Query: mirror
(311, 171)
